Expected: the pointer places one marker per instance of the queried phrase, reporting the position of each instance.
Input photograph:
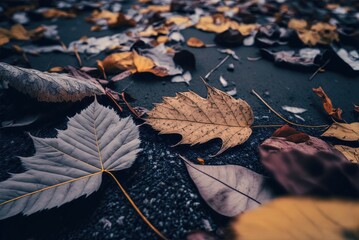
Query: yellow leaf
(162, 39)
(352, 154)
(179, 21)
(343, 131)
(156, 8)
(3, 39)
(118, 62)
(244, 29)
(195, 42)
(216, 23)
(300, 218)
(142, 63)
(19, 32)
(297, 24)
(199, 120)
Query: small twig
(321, 67)
(77, 55)
(216, 67)
(118, 106)
(281, 117)
(129, 106)
(136, 208)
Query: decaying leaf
(48, 87)
(218, 23)
(343, 131)
(327, 104)
(130, 61)
(199, 120)
(229, 189)
(71, 165)
(352, 154)
(305, 57)
(318, 33)
(305, 165)
(300, 218)
(195, 42)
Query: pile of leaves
(318, 182)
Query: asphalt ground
(158, 181)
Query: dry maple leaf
(199, 120)
(48, 87)
(343, 131)
(96, 141)
(352, 154)
(327, 104)
(300, 218)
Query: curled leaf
(199, 120)
(48, 87)
(327, 104)
(195, 42)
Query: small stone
(230, 67)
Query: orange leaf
(195, 42)
(327, 104)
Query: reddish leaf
(327, 104)
(311, 166)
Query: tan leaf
(179, 21)
(244, 29)
(56, 13)
(156, 8)
(343, 131)
(195, 42)
(352, 154)
(216, 23)
(3, 39)
(297, 24)
(19, 32)
(199, 120)
(142, 63)
(300, 218)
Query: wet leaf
(70, 166)
(352, 154)
(199, 119)
(300, 218)
(48, 87)
(229, 189)
(343, 131)
(305, 165)
(327, 104)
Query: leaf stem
(118, 106)
(129, 106)
(136, 208)
(281, 117)
(216, 67)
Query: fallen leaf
(305, 165)
(56, 13)
(96, 141)
(195, 42)
(327, 104)
(113, 19)
(350, 58)
(229, 38)
(199, 120)
(48, 87)
(303, 58)
(352, 154)
(229, 189)
(299, 218)
(19, 32)
(318, 33)
(119, 62)
(343, 131)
